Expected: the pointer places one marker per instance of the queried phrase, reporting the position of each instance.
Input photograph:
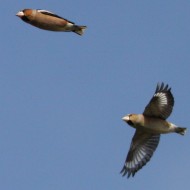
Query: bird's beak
(125, 118)
(20, 14)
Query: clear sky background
(63, 96)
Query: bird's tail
(181, 130)
(79, 29)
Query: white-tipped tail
(79, 30)
(181, 130)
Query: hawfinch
(149, 126)
(49, 21)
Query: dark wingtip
(127, 172)
(162, 87)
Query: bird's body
(149, 126)
(47, 20)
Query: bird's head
(129, 119)
(134, 120)
(25, 14)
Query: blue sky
(63, 96)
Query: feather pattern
(141, 150)
(52, 14)
(161, 104)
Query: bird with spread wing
(149, 126)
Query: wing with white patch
(141, 150)
(52, 14)
(161, 104)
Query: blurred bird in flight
(49, 21)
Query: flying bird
(149, 126)
(49, 21)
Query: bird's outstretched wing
(141, 150)
(161, 104)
